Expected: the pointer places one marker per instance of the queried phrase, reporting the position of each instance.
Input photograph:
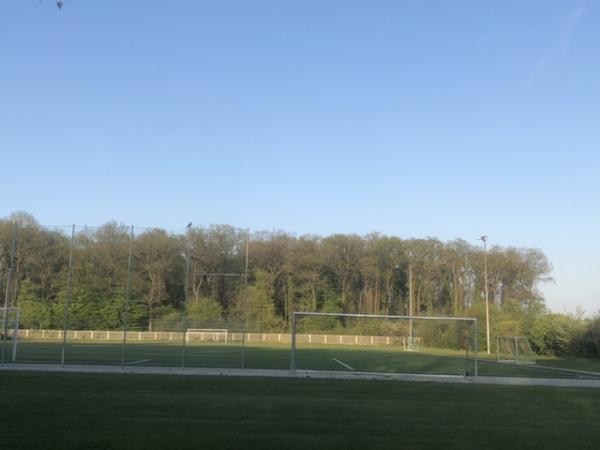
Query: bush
(589, 343)
(555, 334)
(205, 313)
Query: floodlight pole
(487, 297)
(127, 296)
(7, 296)
(68, 299)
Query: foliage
(339, 273)
(555, 334)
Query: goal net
(206, 335)
(9, 329)
(383, 343)
(514, 349)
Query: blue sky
(412, 118)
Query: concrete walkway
(318, 374)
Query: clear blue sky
(412, 118)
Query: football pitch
(382, 359)
(103, 411)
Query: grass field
(590, 365)
(74, 411)
(316, 357)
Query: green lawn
(315, 357)
(588, 365)
(74, 411)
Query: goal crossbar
(297, 314)
(383, 316)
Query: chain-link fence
(131, 296)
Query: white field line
(137, 362)
(343, 364)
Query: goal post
(9, 332)
(384, 343)
(514, 349)
(203, 335)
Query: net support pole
(68, 299)
(16, 336)
(497, 348)
(127, 297)
(244, 326)
(293, 352)
(475, 332)
(410, 305)
(186, 287)
(7, 296)
(516, 350)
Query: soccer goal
(196, 335)
(514, 349)
(384, 343)
(9, 329)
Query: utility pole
(486, 293)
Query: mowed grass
(315, 357)
(589, 365)
(93, 411)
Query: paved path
(320, 374)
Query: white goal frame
(298, 314)
(210, 332)
(9, 332)
(514, 343)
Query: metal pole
(410, 303)
(487, 297)
(382, 316)
(497, 348)
(127, 296)
(7, 296)
(293, 354)
(476, 345)
(516, 350)
(16, 336)
(68, 299)
(185, 299)
(244, 327)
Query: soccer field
(73, 411)
(262, 356)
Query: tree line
(284, 273)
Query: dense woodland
(339, 273)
